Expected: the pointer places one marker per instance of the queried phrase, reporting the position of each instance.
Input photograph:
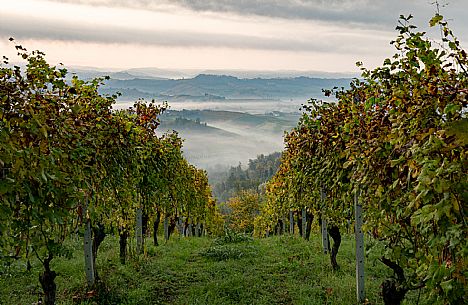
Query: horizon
(154, 72)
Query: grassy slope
(276, 270)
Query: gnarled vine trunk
(334, 232)
(172, 225)
(47, 280)
(123, 236)
(202, 230)
(99, 234)
(299, 222)
(392, 293)
(145, 220)
(279, 226)
(310, 218)
(393, 290)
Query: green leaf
(435, 20)
(348, 164)
(44, 177)
(452, 108)
(447, 286)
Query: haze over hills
(222, 92)
(215, 85)
(225, 117)
(229, 87)
(158, 73)
(215, 140)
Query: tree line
(237, 179)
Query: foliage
(395, 139)
(230, 237)
(67, 158)
(243, 209)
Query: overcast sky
(320, 35)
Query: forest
(236, 179)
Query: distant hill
(159, 73)
(229, 87)
(196, 84)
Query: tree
(243, 209)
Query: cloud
(381, 13)
(316, 33)
(21, 27)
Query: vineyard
(385, 162)
(71, 165)
(394, 145)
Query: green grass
(276, 270)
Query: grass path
(276, 270)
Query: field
(275, 270)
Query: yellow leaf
(455, 204)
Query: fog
(251, 106)
(234, 132)
(211, 152)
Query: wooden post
(304, 223)
(325, 241)
(88, 249)
(203, 230)
(180, 226)
(360, 292)
(291, 223)
(284, 225)
(198, 230)
(166, 227)
(324, 236)
(190, 231)
(139, 231)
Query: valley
(215, 140)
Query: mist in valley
(252, 106)
(216, 140)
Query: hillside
(259, 170)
